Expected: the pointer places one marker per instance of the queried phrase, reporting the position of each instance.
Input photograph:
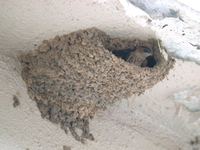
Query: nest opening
(151, 62)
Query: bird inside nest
(137, 56)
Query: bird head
(144, 52)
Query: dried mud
(73, 76)
(16, 101)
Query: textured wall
(151, 121)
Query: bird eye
(147, 50)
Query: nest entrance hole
(151, 62)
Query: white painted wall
(153, 121)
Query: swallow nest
(73, 76)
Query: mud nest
(73, 76)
